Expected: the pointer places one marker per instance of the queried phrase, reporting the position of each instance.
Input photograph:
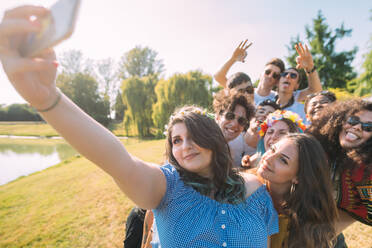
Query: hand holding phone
(55, 27)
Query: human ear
(295, 180)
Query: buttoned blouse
(186, 218)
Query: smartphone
(55, 27)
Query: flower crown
(279, 115)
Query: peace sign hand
(305, 59)
(241, 51)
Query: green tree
(140, 62)
(82, 89)
(21, 112)
(334, 68)
(362, 85)
(138, 96)
(119, 107)
(181, 89)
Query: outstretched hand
(241, 51)
(33, 78)
(304, 59)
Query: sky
(202, 34)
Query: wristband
(311, 71)
(55, 103)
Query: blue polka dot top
(185, 218)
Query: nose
(275, 136)
(318, 104)
(358, 126)
(187, 144)
(269, 155)
(235, 121)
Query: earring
(293, 189)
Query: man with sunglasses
(268, 79)
(288, 96)
(233, 112)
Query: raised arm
(305, 61)
(251, 137)
(239, 55)
(34, 79)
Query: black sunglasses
(241, 120)
(275, 75)
(293, 75)
(355, 120)
(249, 89)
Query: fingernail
(55, 63)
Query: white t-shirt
(298, 107)
(238, 149)
(258, 98)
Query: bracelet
(53, 105)
(311, 71)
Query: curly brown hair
(223, 102)
(329, 125)
(226, 184)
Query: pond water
(23, 158)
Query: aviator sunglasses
(274, 75)
(354, 120)
(241, 120)
(293, 75)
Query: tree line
(134, 91)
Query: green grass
(27, 129)
(75, 204)
(24, 128)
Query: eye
(283, 132)
(284, 160)
(270, 131)
(176, 140)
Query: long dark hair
(327, 130)
(226, 185)
(311, 208)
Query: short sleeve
(170, 174)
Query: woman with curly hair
(345, 132)
(296, 174)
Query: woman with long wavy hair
(296, 173)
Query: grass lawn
(25, 128)
(75, 204)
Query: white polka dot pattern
(185, 218)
